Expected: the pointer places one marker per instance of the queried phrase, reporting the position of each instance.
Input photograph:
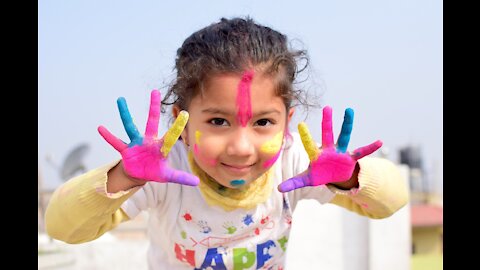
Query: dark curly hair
(234, 46)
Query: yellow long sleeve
(382, 190)
(81, 210)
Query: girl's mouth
(237, 169)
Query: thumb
(299, 181)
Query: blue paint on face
(237, 182)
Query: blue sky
(384, 59)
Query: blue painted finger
(344, 137)
(127, 121)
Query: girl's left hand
(331, 163)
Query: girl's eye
(263, 122)
(218, 122)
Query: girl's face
(236, 127)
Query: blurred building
(411, 156)
(329, 237)
(427, 229)
(426, 213)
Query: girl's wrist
(119, 180)
(350, 183)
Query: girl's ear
(290, 115)
(175, 111)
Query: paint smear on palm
(322, 169)
(244, 113)
(272, 146)
(196, 150)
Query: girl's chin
(234, 183)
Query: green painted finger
(174, 132)
(308, 142)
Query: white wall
(391, 238)
(316, 238)
(330, 237)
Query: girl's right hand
(145, 158)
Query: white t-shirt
(186, 233)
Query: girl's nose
(240, 143)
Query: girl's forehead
(230, 83)
(226, 101)
(228, 91)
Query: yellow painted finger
(308, 142)
(174, 132)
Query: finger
(294, 183)
(180, 177)
(127, 121)
(174, 132)
(327, 133)
(118, 144)
(366, 150)
(153, 115)
(308, 142)
(344, 137)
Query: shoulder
(293, 159)
(178, 157)
(293, 148)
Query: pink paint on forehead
(244, 104)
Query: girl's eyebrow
(224, 112)
(266, 112)
(216, 111)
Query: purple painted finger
(290, 184)
(153, 115)
(327, 130)
(366, 150)
(118, 144)
(180, 177)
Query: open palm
(145, 158)
(332, 163)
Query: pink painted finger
(180, 177)
(366, 150)
(327, 131)
(299, 181)
(118, 144)
(153, 115)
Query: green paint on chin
(237, 182)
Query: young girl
(222, 196)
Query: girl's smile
(239, 170)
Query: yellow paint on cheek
(273, 146)
(197, 137)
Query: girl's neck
(229, 199)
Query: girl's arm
(87, 206)
(372, 187)
(382, 190)
(82, 209)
